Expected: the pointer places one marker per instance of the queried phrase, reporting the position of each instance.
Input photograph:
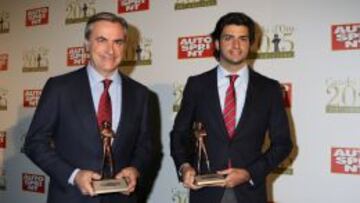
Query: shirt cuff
(72, 177)
(251, 182)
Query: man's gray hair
(104, 16)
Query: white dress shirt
(241, 85)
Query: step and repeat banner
(311, 47)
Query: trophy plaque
(108, 184)
(209, 178)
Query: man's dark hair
(105, 16)
(233, 18)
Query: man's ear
(217, 45)
(87, 46)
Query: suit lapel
(251, 90)
(214, 102)
(83, 103)
(125, 104)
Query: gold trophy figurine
(208, 179)
(108, 183)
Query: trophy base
(109, 186)
(209, 180)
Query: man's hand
(83, 181)
(130, 174)
(235, 176)
(188, 177)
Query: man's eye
(120, 42)
(245, 38)
(100, 40)
(227, 38)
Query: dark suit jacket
(263, 111)
(64, 135)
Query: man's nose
(110, 48)
(236, 43)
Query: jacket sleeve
(280, 142)
(144, 146)
(180, 136)
(38, 140)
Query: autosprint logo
(345, 37)
(287, 94)
(31, 98)
(33, 183)
(2, 160)
(195, 47)
(77, 56)
(345, 160)
(2, 139)
(126, 6)
(4, 58)
(37, 16)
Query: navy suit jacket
(263, 112)
(64, 135)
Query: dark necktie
(229, 112)
(104, 110)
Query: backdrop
(311, 47)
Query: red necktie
(104, 111)
(229, 111)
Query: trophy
(108, 184)
(209, 178)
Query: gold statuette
(209, 178)
(108, 184)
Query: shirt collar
(243, 73)
(96, 77)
